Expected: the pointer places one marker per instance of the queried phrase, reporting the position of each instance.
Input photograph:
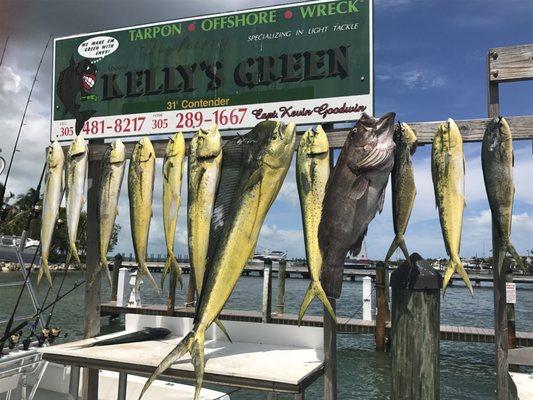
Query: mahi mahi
(270, 146)
(76, 175)
(172, 178)
(205, 159)
(403, 186)
(448, 172)
(53, 193)
(497, 161)
(111, 176)
(312, 173)
(354, 194)
(140, 193)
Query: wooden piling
(415, 330)
(330, 354)
(117, 264)
(92, 292)
(267, 292)
(280, 303)
(191, 290)
(382, 305)
(511, 325)
(171, 300)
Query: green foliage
(17, 218)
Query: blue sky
(430, 62)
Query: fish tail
(144, 271)
(171, 264)
(501, 250)
(454, 265)
(44, 269)
(73, 252)
(102, 265)
(398, 241)
(515, 255)
(192, 343)
(166, 268)
(177, 270)
(315, 290)
(223, 329)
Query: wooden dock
(350, 274)
(344, 324)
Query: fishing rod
(3, 188)
(24, 323)
(4, 52)
(33, 214)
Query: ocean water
(466, 368)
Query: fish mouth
(88, 80)
(386, 121)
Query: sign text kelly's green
(305, 62)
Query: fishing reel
(42, 338)
(54, 333)
(14, 340)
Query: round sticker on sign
(98, 47)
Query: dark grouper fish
(403, 186)
(354, 194)
(269, 148)
(497, 160)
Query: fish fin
(356, 248)
(223, 329)
(116, 211)
(177, 270)
(108, 274)
(398, 241)
(403, 246)
(454, 265)
(256, 177)
(515, 255)
(359, 187)
(447, 275)
(144, 271)
(192, 343)
(462, 272)
(381, 201)
(315, 290)
(44, 269)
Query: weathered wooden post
(367, 298)
(280, 303)
(117, 264)
(171, 300)
(267, 292)
(330, 353)
(92, 292)
(189, 302)
(510, 299)
(415, 330)
(382, 305)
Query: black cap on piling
(417, 276)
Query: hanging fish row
(232, 186)
(448, 172)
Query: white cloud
(9, 81)
(410, 77)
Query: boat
(24, 375)
(9, 244)
(359, 261)
(274, 255)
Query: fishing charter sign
(304, 62)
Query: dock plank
(344, 324)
